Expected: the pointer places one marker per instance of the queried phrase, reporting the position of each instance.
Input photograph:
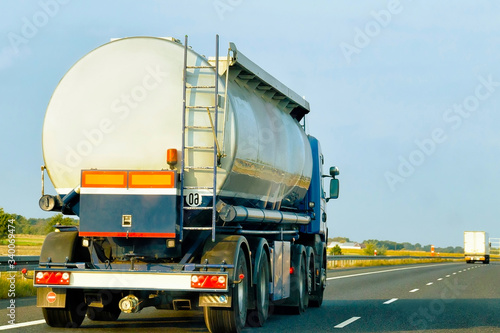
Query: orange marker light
(172, 157)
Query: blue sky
(404, 96)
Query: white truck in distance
(476, 246)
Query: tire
(72, 315)
(258, 316)
(300, 288)
(59, 247)
(316, 299)
(110, 312)
(233, 319)
(310, 274)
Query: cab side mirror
(334, 189)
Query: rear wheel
(258, 316)
(231, 319)
(60, 247)
(72, 315)
(299, 287)
(316, 298)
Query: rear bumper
(127, 280)
(469, 257)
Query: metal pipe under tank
(229, 213)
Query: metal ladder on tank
(211, 110)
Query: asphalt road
(455, 297)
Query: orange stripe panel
(151, 179)
(113, 179)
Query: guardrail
(28, 262)
(351, 260)
(31, 262)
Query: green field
(25, 245)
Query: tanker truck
(195, 185)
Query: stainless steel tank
(120, 108)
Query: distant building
(346, 245)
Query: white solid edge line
(414, 290)
(28, 323)
(347, 322)
(384, 271)
(390, 301)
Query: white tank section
(120, 108)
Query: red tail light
(52, 277)
(208, 281)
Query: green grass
(27, 240)
(23, 287)
(367, 263)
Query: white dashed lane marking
(390, 301)
(347, 322)
(28, 323)
(414, 290)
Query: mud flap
(51, 297)
(215, 300)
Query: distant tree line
(390, 245)
(32, 226)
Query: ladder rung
(200, 87)
(198, 188)
(198, 208)
(197, 228)
(199, 107)
(200, 67)
(200, 147)
(199, 167)
(199, 127)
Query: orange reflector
(115, 179)
(151, 179)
